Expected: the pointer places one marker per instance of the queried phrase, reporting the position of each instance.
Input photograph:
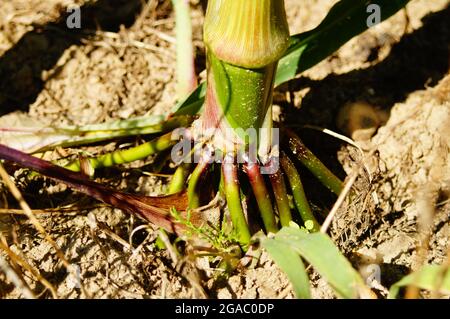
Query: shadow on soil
(39, 50)
(420, 59)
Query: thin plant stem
(313, 164)
(179, 178)
(186, 77)
(14, 277)
(279, 189)
(301, 202)
(262, 196)
(118, 157)
(233, 197)
(193, 193)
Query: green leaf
(346, 19)
(193, 103)
(291, 263)
(319, 250)
(24, 133)
(431, 277)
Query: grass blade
(319, 250)
(291, 263)
(345, 20)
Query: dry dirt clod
(360, 120)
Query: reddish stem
(153, 209)
(262, 196)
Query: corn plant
(228, 121)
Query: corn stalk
(249, 51)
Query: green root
(233, 197)
(281, 198)
(193, 191)
(313, 164)
(301, 202)
(118, 157)
(179, 178)
(262, 197)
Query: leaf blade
(291, 264)
(429, 277)
(319, 250)
(345, 20)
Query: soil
(399, 69)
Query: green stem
(193, 194)
(179, 178)
(186, 77)
(313, 164)
(262, 197)
(129, 155)
(233, 197)
(238, 99)
(244, 41)
(301, 202)
(279, 189)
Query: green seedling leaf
(320, 251)
(193, 103)
(291, 263)
(431, 277)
